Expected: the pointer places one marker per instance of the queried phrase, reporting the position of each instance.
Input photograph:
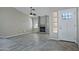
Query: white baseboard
(4, 37)
(78, 45)
(17, 35)
(53, 38)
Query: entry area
(65, 25)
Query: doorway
(67, 25)
(35, 24)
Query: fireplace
(42, 29)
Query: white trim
(77, 26)
(78, 45)
(16, 35)
(53, 38)
(3, 37)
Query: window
(55, 22)
(66, 15)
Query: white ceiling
(26, 10)
(60, 8)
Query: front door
(67, 25)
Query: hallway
(35, 42)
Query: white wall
(42, 11)
(13, 22)
(25, 10)
(78, 26)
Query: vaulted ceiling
(39, 10)
(24, 10)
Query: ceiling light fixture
(32, 12)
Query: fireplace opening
(42, 29)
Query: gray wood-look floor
(35, 42)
